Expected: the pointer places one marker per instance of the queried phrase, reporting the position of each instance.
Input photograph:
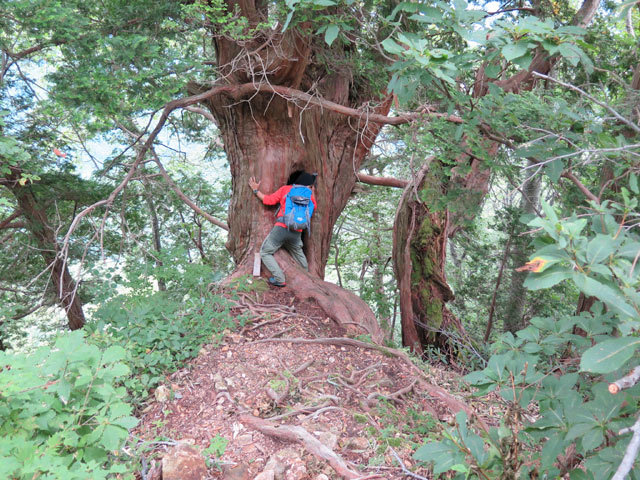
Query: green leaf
(427, 15)
(553, 447)
(443, 455)
(554, 169)
(127, 422)
(515, 50)
(331, 34)
(633, 183)
(613, 298)
(547, 278)
(391, 46)
(113, 354)
(600, 247)
(492, 71)
(112, 437)
(63, 389)
(609, 355)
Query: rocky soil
(294, 399)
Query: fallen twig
(627, 381)
(392, 396)
(405, 470)
(630, 453)
(291, 433)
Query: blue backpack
(298, 208)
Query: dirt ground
(366, 407)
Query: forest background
(455, 143)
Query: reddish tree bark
(269, 136)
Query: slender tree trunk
(155, 231)
(38, 225)
(492, 308)
(513, 317)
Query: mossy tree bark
(419, 242)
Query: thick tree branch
(237, 92)
(586, 13)
(567, 174)
(382, 181)
(7, 221)
(201, 111)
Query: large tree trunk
(419, 242)
(40, 228)
(268, 136)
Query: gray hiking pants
(277, 238)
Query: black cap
(305, 179)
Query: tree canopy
(477, 191)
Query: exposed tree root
(291, 433)
(342, 306)
(449, 400)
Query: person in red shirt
(280, 236)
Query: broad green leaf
(553, 447)
(554, 170)
(515, 50)
(331, 33)
(428, 15)
(600, 247)
(113, 354)
(548, 278)
(633, 183)
(612, 297)
(609, 355)
(391, 46)
(112, 437)
(443, 455)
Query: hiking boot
(276, 283)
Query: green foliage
(161, 330)
(62, 414)
(575, 406)
(216, 448)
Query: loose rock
(183, 462)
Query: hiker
(287, 232)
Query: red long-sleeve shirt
(280, 197)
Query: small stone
(245, 439)
(183, 462)
(296, 471)
(357, 443)
(162, 393)
(239, 472)
(322, 476)
(266, 475)
(277, 466)
(328, 439)
(229, 354)
(332, 359)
